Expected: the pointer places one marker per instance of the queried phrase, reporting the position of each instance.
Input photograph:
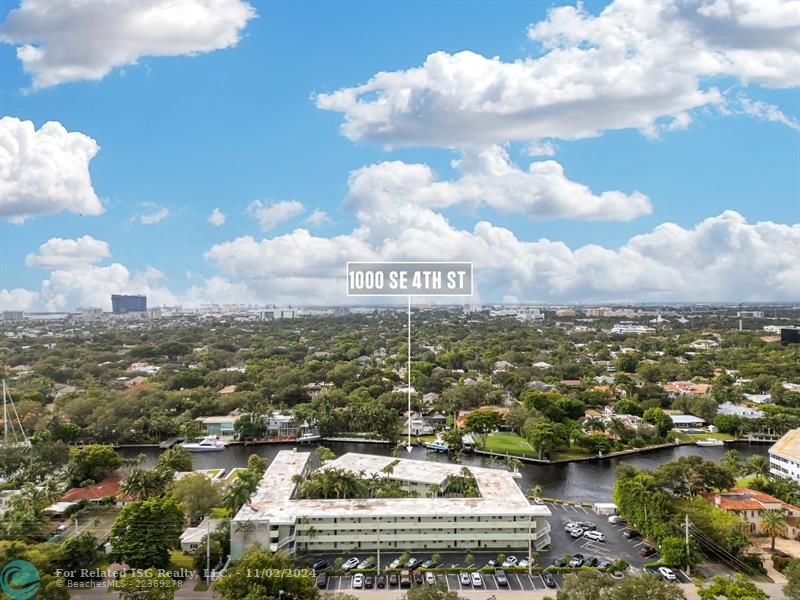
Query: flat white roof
(499, 493)
(788, 446)
(686, 419)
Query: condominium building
(784, 456)
(500, 518)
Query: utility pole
(409, 374)
(378, 566)
(530, 552)
(688, 566)
(208, 551)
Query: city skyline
(617, 151)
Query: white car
(570, 525)
(510, 561)
(477, 580)
(538, 501)
(358, 581)
(576, 533)
(615, 519)
(394, 564)
(430, 578)
(523, 563)
(667, 573)
(594, 535)
(465, 579)
(351, 563)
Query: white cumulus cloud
(488, 176)
(272, 215)
(58, 253)
(318, 218)
(640, 65)
(721, 258)
(58, 42)
(217, 217)
(45, 171)
(152, 213)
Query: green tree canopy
(145, 531)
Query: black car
(320, 565)
(322, 580)
(381, 581)
(549, 580)
(559, 562)
(592, 561)
(369, 581)
(587, 525)
(647, 551)
(419, 578)
(631, 534)
(393, 579)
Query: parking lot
(615, 546)
(516, 581)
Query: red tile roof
(108, 487)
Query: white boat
(438, 446)
(709, 442)
(207, 444)
(309, 437)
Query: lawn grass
(693, 437)
(179, 560)
(745, 482)
(509, 443)
(572, 453)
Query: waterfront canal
(588, 481)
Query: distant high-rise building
(13, 315)
(123, 304)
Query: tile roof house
(107, 488)
(750, 504)
(681, 388)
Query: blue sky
(228, 126)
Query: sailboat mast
(5, 413)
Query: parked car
(576, 533)
(412, 563)
(430, 578)
(500, 577)
(631, 534)
(538, 501)
(393, 579)
(320, 564)
(523, 563)
(592, 561)
(577, 561)
(559, 562)
(367, 563)
(594, 535)
(369, 581)
(510, 561)
(358, 581)
(381, 581)
(616, 520)
(395, 564)
(491, 563)
(350, 563)
(667, 573)
(322, 580)
(587, 525)
(419, 579)
(603, 565)
(464, 578)
(647, 551)
(405, 579)
(428, 564)
(477, 580)
(570, 525)
(549, 580)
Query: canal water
(587, 481)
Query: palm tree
(642, 489)
(759, 466)
(773, 523)
(732, 461)
(536, 491)
(141, 483)
(513, 463)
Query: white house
(784, 456)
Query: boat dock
(169, 443)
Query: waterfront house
(687, 422)
(222, 426)
(739, 410)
